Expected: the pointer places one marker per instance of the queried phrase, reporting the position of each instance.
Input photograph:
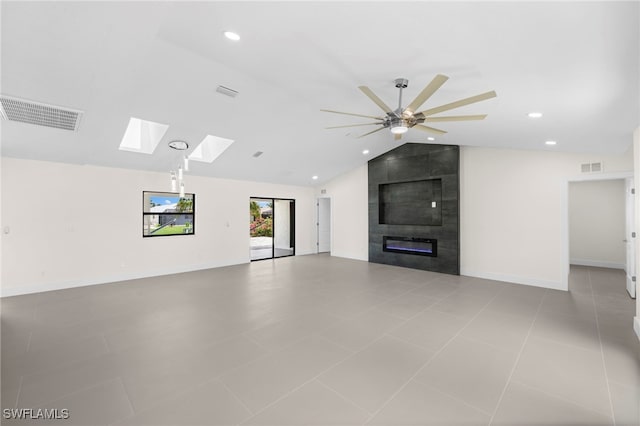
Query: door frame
(292, 225)
(318, 224)
(564, 226)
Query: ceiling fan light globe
(398, 130)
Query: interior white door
(324, 225)
(630, 237)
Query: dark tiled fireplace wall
(403, 184)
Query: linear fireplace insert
(411, 245)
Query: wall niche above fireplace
(411, 203)
(413, 200)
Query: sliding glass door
(271, 227)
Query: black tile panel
(393, 209)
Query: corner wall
(514, 212)
(349, 211)
(76, 225)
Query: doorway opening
(600, 226)
(271, 227)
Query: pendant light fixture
(177, 178)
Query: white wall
(349, 213)
(597, 223)
(513, 212)
(76, 225)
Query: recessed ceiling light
(365, 152)
(534, 115)
(314, 177)
(431, 138)
(231, 35)
(550, 142)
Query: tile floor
(316, 340)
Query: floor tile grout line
(447, 394)
(296, 388)
(517, 360)
(352, 354)
(342, 396)
(604, 364)
(19, 391)
(126, 393)
(80, 390)
(237, 398)
(560, 397)
(29, 341)
(386, 402)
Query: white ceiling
(578, 63)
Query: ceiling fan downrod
(401, 83)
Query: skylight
(210, 148)
(142, 136)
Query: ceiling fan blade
(375, 99)
(429, 129)
(426, 93)
(397, 136)
(351, 125)
(350, 113)
(377, 130)
(462, 102)
(456, 118)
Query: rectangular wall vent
(591, 167)
(24, 111)
(226, 91)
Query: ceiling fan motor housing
(401, 83)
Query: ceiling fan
(399, 121)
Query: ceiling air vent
(15, 109)
(591, 167)
(226, 91)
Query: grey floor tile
(207, 347)
(407, 305)
(370, 377)
(292, 329)
(460, 305)
(265, 380)
(524, 406)
(430, 329)
(626, 404)
(208, 404)
(500, 330)
(567, 329)
(421, 405)
(357, 332)
(471, 371)
(39, 388)
(312, 404)
(102, 404)
(569, 372)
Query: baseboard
(636, 326)
(61, 285)
(597, 263)
(535, 282)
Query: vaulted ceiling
(577, 63)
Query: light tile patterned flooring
(317, 340)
